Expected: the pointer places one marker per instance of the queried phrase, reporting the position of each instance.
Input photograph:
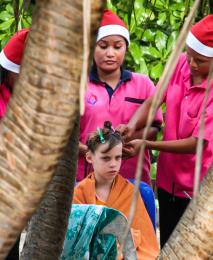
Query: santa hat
(11, 55)
(200, 37)
(111, 24)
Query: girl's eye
(106, 159)
(117, 47)
(118, 158)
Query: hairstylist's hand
(126, 132)
(132, 148)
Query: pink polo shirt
(4, 99)
(175, 172)
(119, 109)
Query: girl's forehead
(102, 148)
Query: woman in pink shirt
(10, 60)
(113, 93)
(184, 98)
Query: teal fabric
(83, 239)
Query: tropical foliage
(13, 15)
(154, 26)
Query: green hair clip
(100, 135)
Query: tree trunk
(41, 113)
(193, 236)
(45, 241)
(47, 228)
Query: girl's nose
(113, 164)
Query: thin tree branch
(199, 149)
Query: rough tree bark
(41, 113)
(193, 236)
(44, 241)
(48, 225)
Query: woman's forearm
(152, 134)
(187, 145)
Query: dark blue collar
(126, 75)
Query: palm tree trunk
(41, 113)
(193, 236)
(45, 241)
(48, 225)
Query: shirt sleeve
(180, 64)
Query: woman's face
(199, 64)
(110, 53)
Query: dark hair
(3, 78)
(105, 135)
(3, 74)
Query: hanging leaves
(14, 15)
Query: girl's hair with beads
(104, 135)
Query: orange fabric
(100, 202)
(120, 198)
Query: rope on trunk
(86, 51)
(199, 148)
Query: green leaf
(156, 71)
(135, 51)
(160, 40)
(148, 35)
(151, 51)
(5, 25)
(175, 22)
(171, 41)
(4, 16)
(2, 36)
(4, 41)
(161, 18)
(9, 8)
(177, 7)
(143, 67)
(159, 4)
(153, 171)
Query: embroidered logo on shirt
(92, 99)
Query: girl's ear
(89, 157)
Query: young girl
(114, 93)
(183, 98)
(105, 186)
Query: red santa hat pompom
(11, 55)
(200, 37)
(111, 24)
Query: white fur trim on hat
(198, 46)
(7, 64)
(113, 29)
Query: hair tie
(100, 135)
